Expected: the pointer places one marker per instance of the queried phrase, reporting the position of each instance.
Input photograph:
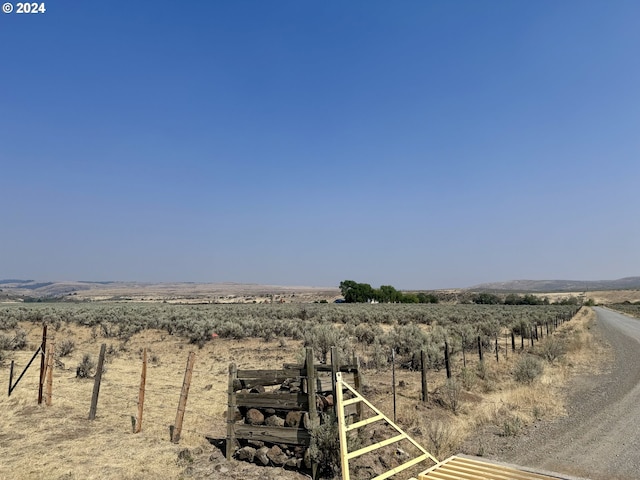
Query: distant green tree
(409, 298)
(389, 294)
(486, 299)
(354, 292)
(427, 298)
(513, 299)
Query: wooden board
(322, 367)
(279, 401)
(265, 378)
(294, 436)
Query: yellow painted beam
(375, 446)
(362, 423)
(402, 467)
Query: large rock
(246, 453)
(274, 421)
(261, 456)
(294, 419)
(277, 456)
(254, 417)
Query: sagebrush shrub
(5, 342)
(325, 445)
(19, 342)
(441, 437)
(468, 378)
(552, 349)
(527, 369)
(85, 367)
(511, 426)
(66, 347)
(453, 394)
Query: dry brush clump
(527, 369)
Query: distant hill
(31, 290)
(560, 285)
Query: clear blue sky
(422, 144)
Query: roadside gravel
(600, 437)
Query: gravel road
(600, 437)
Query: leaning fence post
(10, 378)
(447, 362)
(96, 383)
(423, 365)
(182, 404)
(143, 381)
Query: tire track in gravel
(600, 437)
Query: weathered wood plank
(282, 401)
(325, 385)
(294, 436)
(286, 372)
(321, 368)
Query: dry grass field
(60, 442)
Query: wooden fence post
(182, 404)
(335, 368)
(96, 383)
(513, 341)
(447, 362)
(231, 412)
(143, 381)
(423, 365)
(49, 388)
(10, 378)
(311, 394)
(463, 340)
(479, 348)
(43, 365)
(393, 381)
(497, 350)
(357, 385)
